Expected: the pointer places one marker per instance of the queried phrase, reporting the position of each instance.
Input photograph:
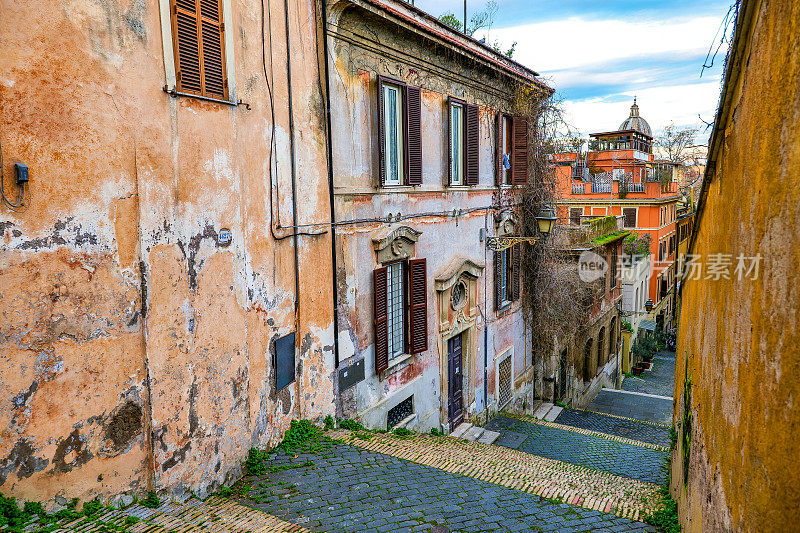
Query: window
(506, 276)
(400, 137)
(400, 412)
(629, 217)
(512, 150)
(395, 292)
(456, 143)
(575, 215)
(199, 48)
(401, 305)
(393, 135)
(463, 138)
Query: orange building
(618, 175)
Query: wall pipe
(329, 134)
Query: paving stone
(456, 501)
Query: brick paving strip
(616, 438)
(548, 478)
(213, 514)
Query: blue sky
(598, 55)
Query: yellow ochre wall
(742, 338)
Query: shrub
(255, 462)
(151, 501)
(302, 434)
(329, 423)
(350, 425)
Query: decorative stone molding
(458, 267)
(395, 243)
(506, 223)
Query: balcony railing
(636, 187)
(578, 188)
(601, 187)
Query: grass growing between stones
(665, 517)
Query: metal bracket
(501, 243)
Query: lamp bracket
(501, 243)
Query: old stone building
(587, 358)
(160, 316)
(430, 326)
(735, 466)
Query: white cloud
(658, 105)
(573, 42)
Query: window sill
(397, 364)
(504, 308)
(175, 94)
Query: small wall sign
(224, 237)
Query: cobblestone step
(474, 433)
(549, 478)
(460, 430)
(214, 514)
(553, 413)
(489, 437)
(542, 410)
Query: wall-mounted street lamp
(648, 305)
(544, 219)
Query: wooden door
(562, 377)
(455, 398)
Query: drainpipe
(334, 280)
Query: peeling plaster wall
(136, 350)
(363, 45)
(738, 341)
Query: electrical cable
(13, 206)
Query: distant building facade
(619, 175)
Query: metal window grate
(504, 381)
(395, 300)
(400, 411)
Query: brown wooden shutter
(381, 135)
(417, 305)
(381, 320)
(198, 42)
(498, 269)
(449, 118)
(472, 136)
(519, 158)
(498, 165)
(516, 270)
(413, 135)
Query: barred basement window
(400, 412)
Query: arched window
(601, 346)
(587, 361)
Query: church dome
(635, 122)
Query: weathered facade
(412, 263)
(735, 467)
(150, 272)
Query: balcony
(578, 188)
(601, 187)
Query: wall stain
(125, 425)
(73, 444)
(22, 461)
(177, 457)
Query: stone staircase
(547, 411)
(473, 433)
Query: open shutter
(198, 42)
(449, 128)
(418, 305)
(381, 321)
(498, 156)
(413, 136)
(471, 125)
(381, 135)
(519, 157)
(498, 273)
(211, 28)
(516, 270)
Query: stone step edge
(589, 432)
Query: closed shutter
(516, 270)
(498, 166)
(418, 305)
(472, 138)
(519, 158)
(413, 136)
(498, 273)
(381, 321)
(629, 217)
(198, 42)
